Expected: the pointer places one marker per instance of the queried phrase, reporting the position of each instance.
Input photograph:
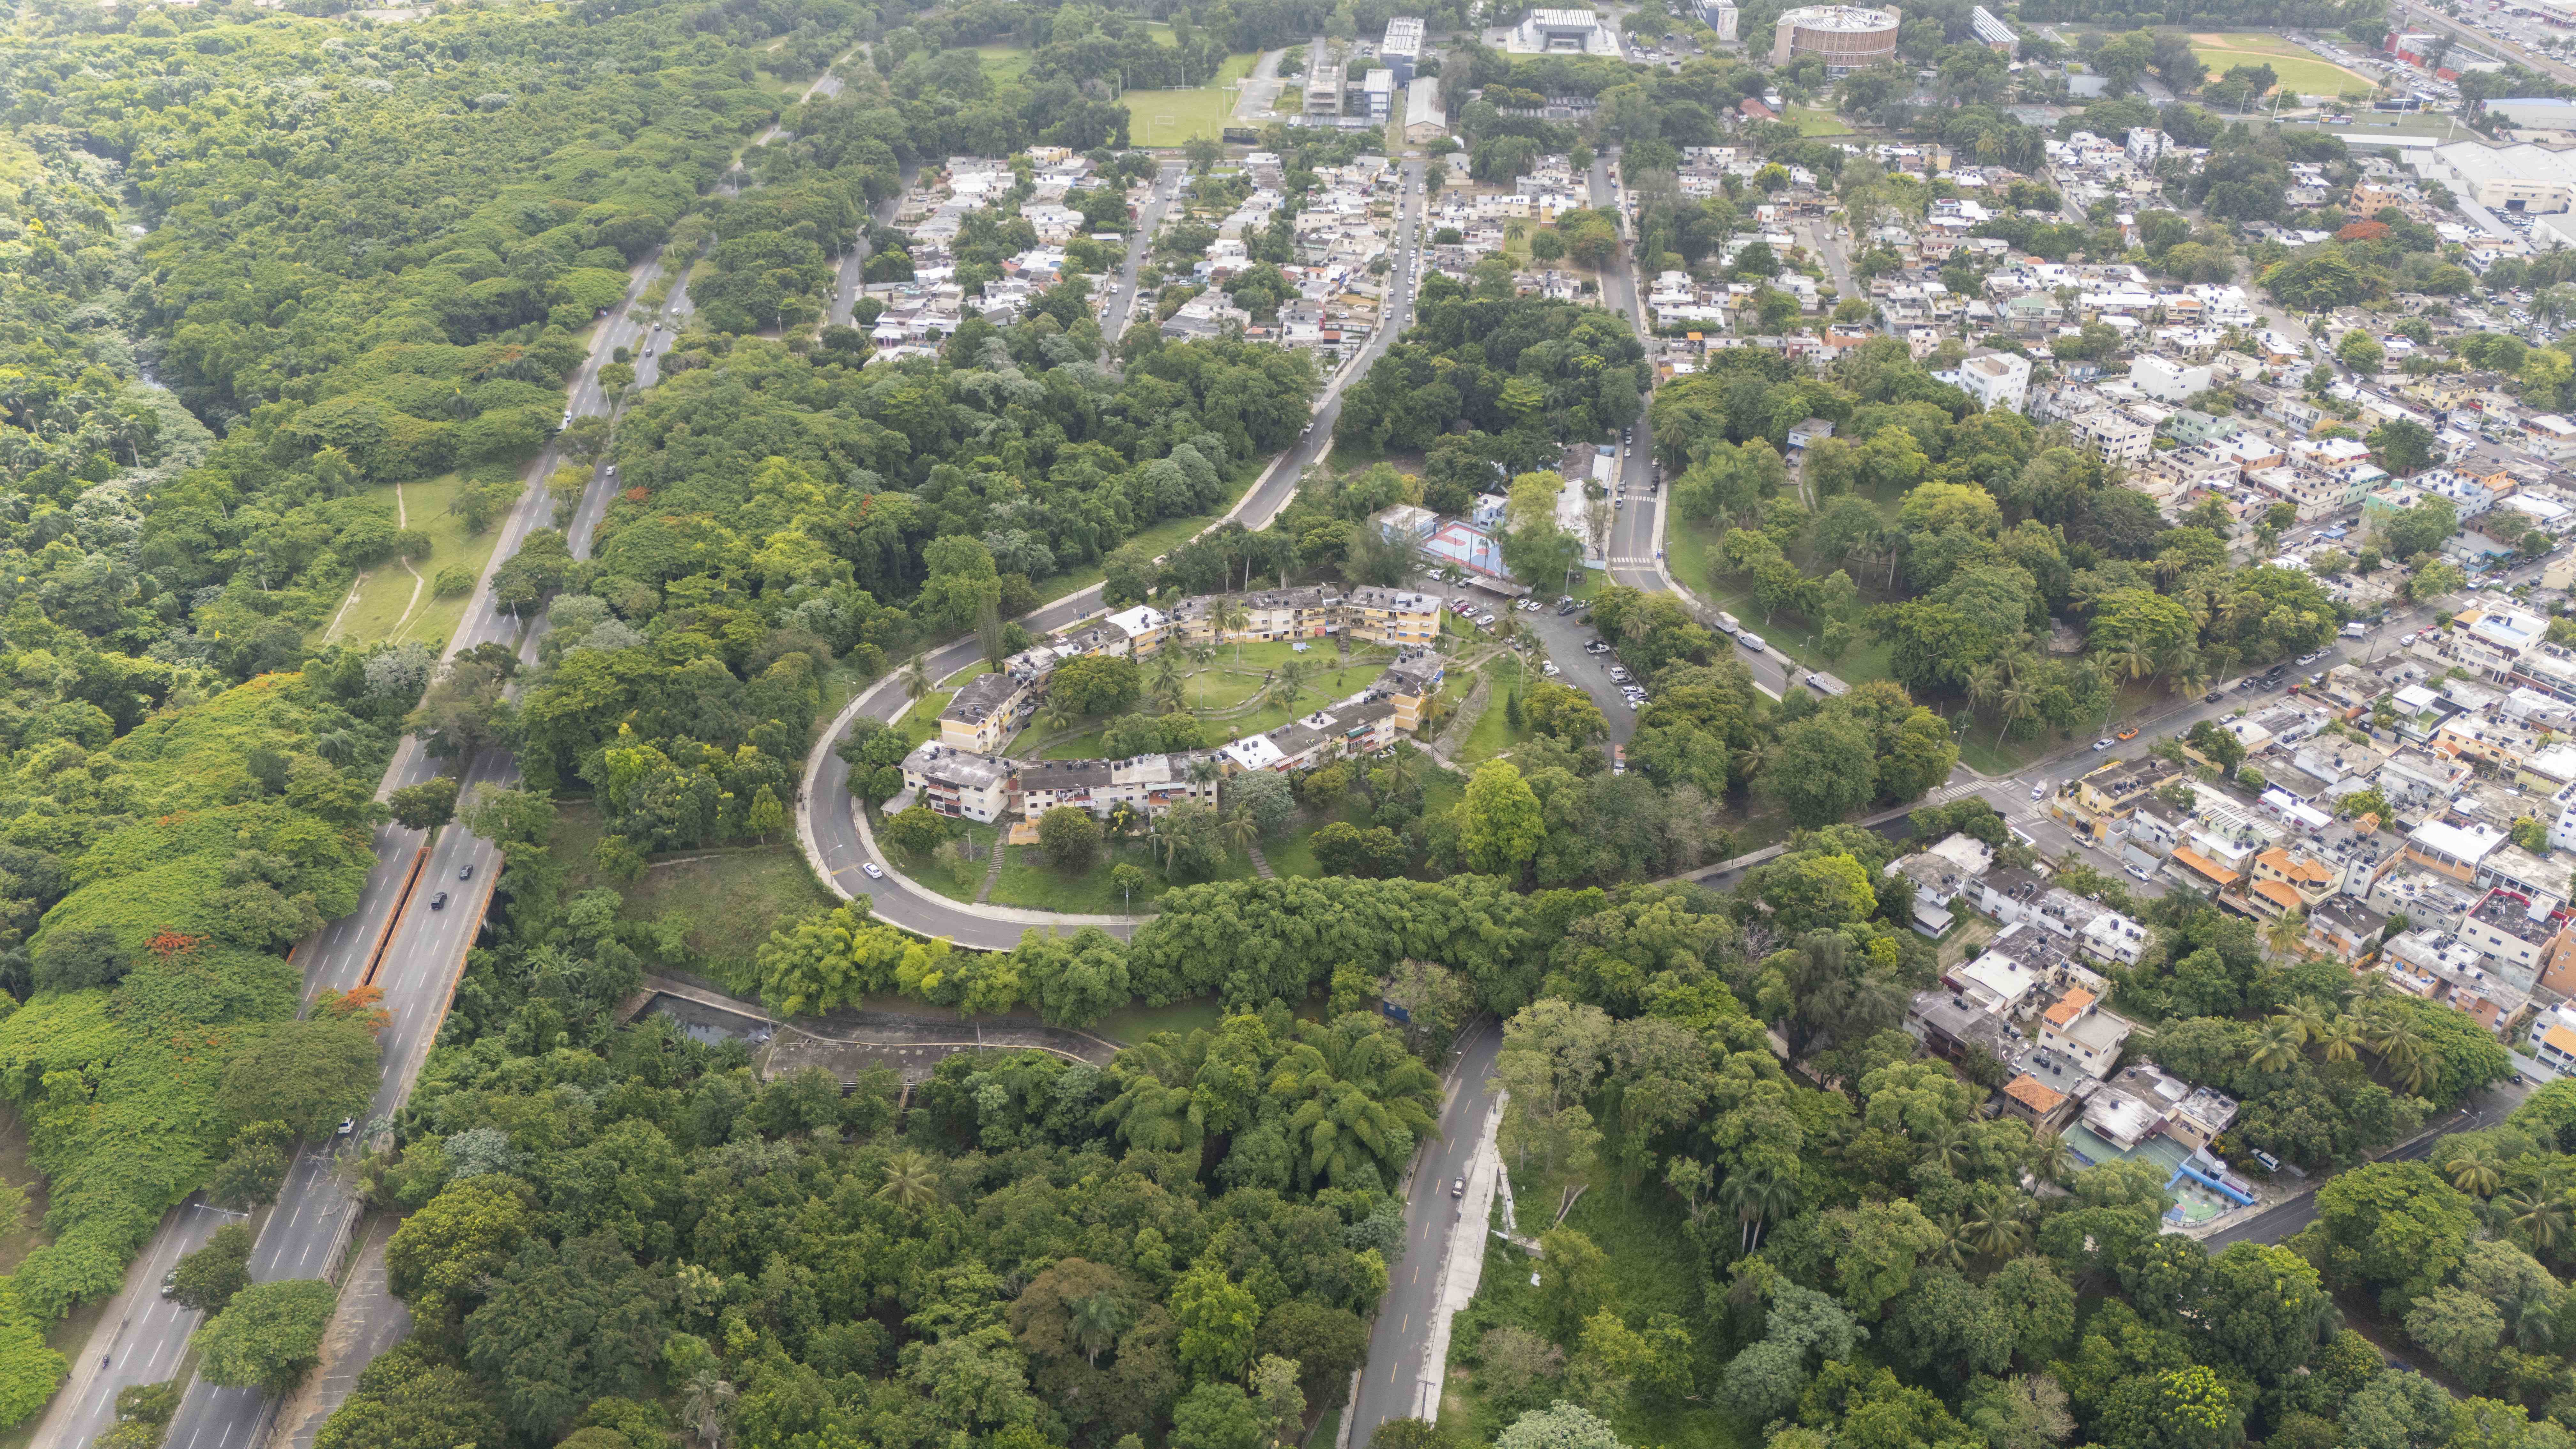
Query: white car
(1550, 670)
(870, 866)
(2100, 745)
(2039, 791)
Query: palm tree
(2339, 1040)
(1097, 1321)
(1757, 1195)
(2308, 1016)
(915, 677)
(2478, 1170)
(1952, 1149)
(1997, 1229)
(2541, 1216)
(2051, 1159)
(1954, 1251)
(2401, 1048)
(910, 1181)
(1985, 686)
(1292, 679)
(1169, 691)
(1230, 617)
(1241, 831)
(2020, 700)
(707, 1405)
(2276, 1046)
(2285, 932)
(1055, 715)
(335, 746)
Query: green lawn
(722, 903)
(1219, 687)
(1029, 882)
(1168, 118)
(1493, 732)
(1690, 550)
(1650, 1271)
(1816, 121)
(1238, 66)
(391, 604)
(921, 722)
(1004, 63)
(2299, 69)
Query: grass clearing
(386, 606)
(1029, 882)
(1235, 67)
(1004, 63)
(1816, 121)
(1168, 118)
(1650, 1271)
(722, 902)
(1493, 733)
(2299, 69)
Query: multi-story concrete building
(959, 782)
(986, 711)
(1402, 47)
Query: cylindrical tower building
(1846, 37)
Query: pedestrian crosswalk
(1948, 793)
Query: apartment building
(1150, 784)
(984, 713)
(2526, 939)
(2079, 1028)
(959, 783)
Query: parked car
(2214, 696)
(2139, 871)
(1726, 623)
(1457, 1187)
(1751, 641)
(1550, 670)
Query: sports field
(2300, 69)
(1167, 118)
(1815, 121)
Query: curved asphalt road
(837, 843)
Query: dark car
(465, 871)
(1457, 1187)
(2214, 696)
(438, 902)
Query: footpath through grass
(389, 605)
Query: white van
(1727, 623)
(1750, 640)
(2356, 630)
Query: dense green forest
(617, 1233)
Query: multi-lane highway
(143, 1337)
(837, 841)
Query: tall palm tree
(1292, 680)
(1053, 716)
(2478, 1170)
(2051, 1158)
(1954, 1251)
(911, 1182)
(2307, 1016)
(707, 1406)
(1985, 686)
(1952, 1149)
(1230, 617)
(2402, 1049)
(1169, 691)
(915, 678)
(2276, 1046)
(2339, 1040)
(1758, 1195)
(2541, 1215)
(2285, 932)
(2020, 700)
(1997, 1228)
(1241, 831)
(1097, 1321)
